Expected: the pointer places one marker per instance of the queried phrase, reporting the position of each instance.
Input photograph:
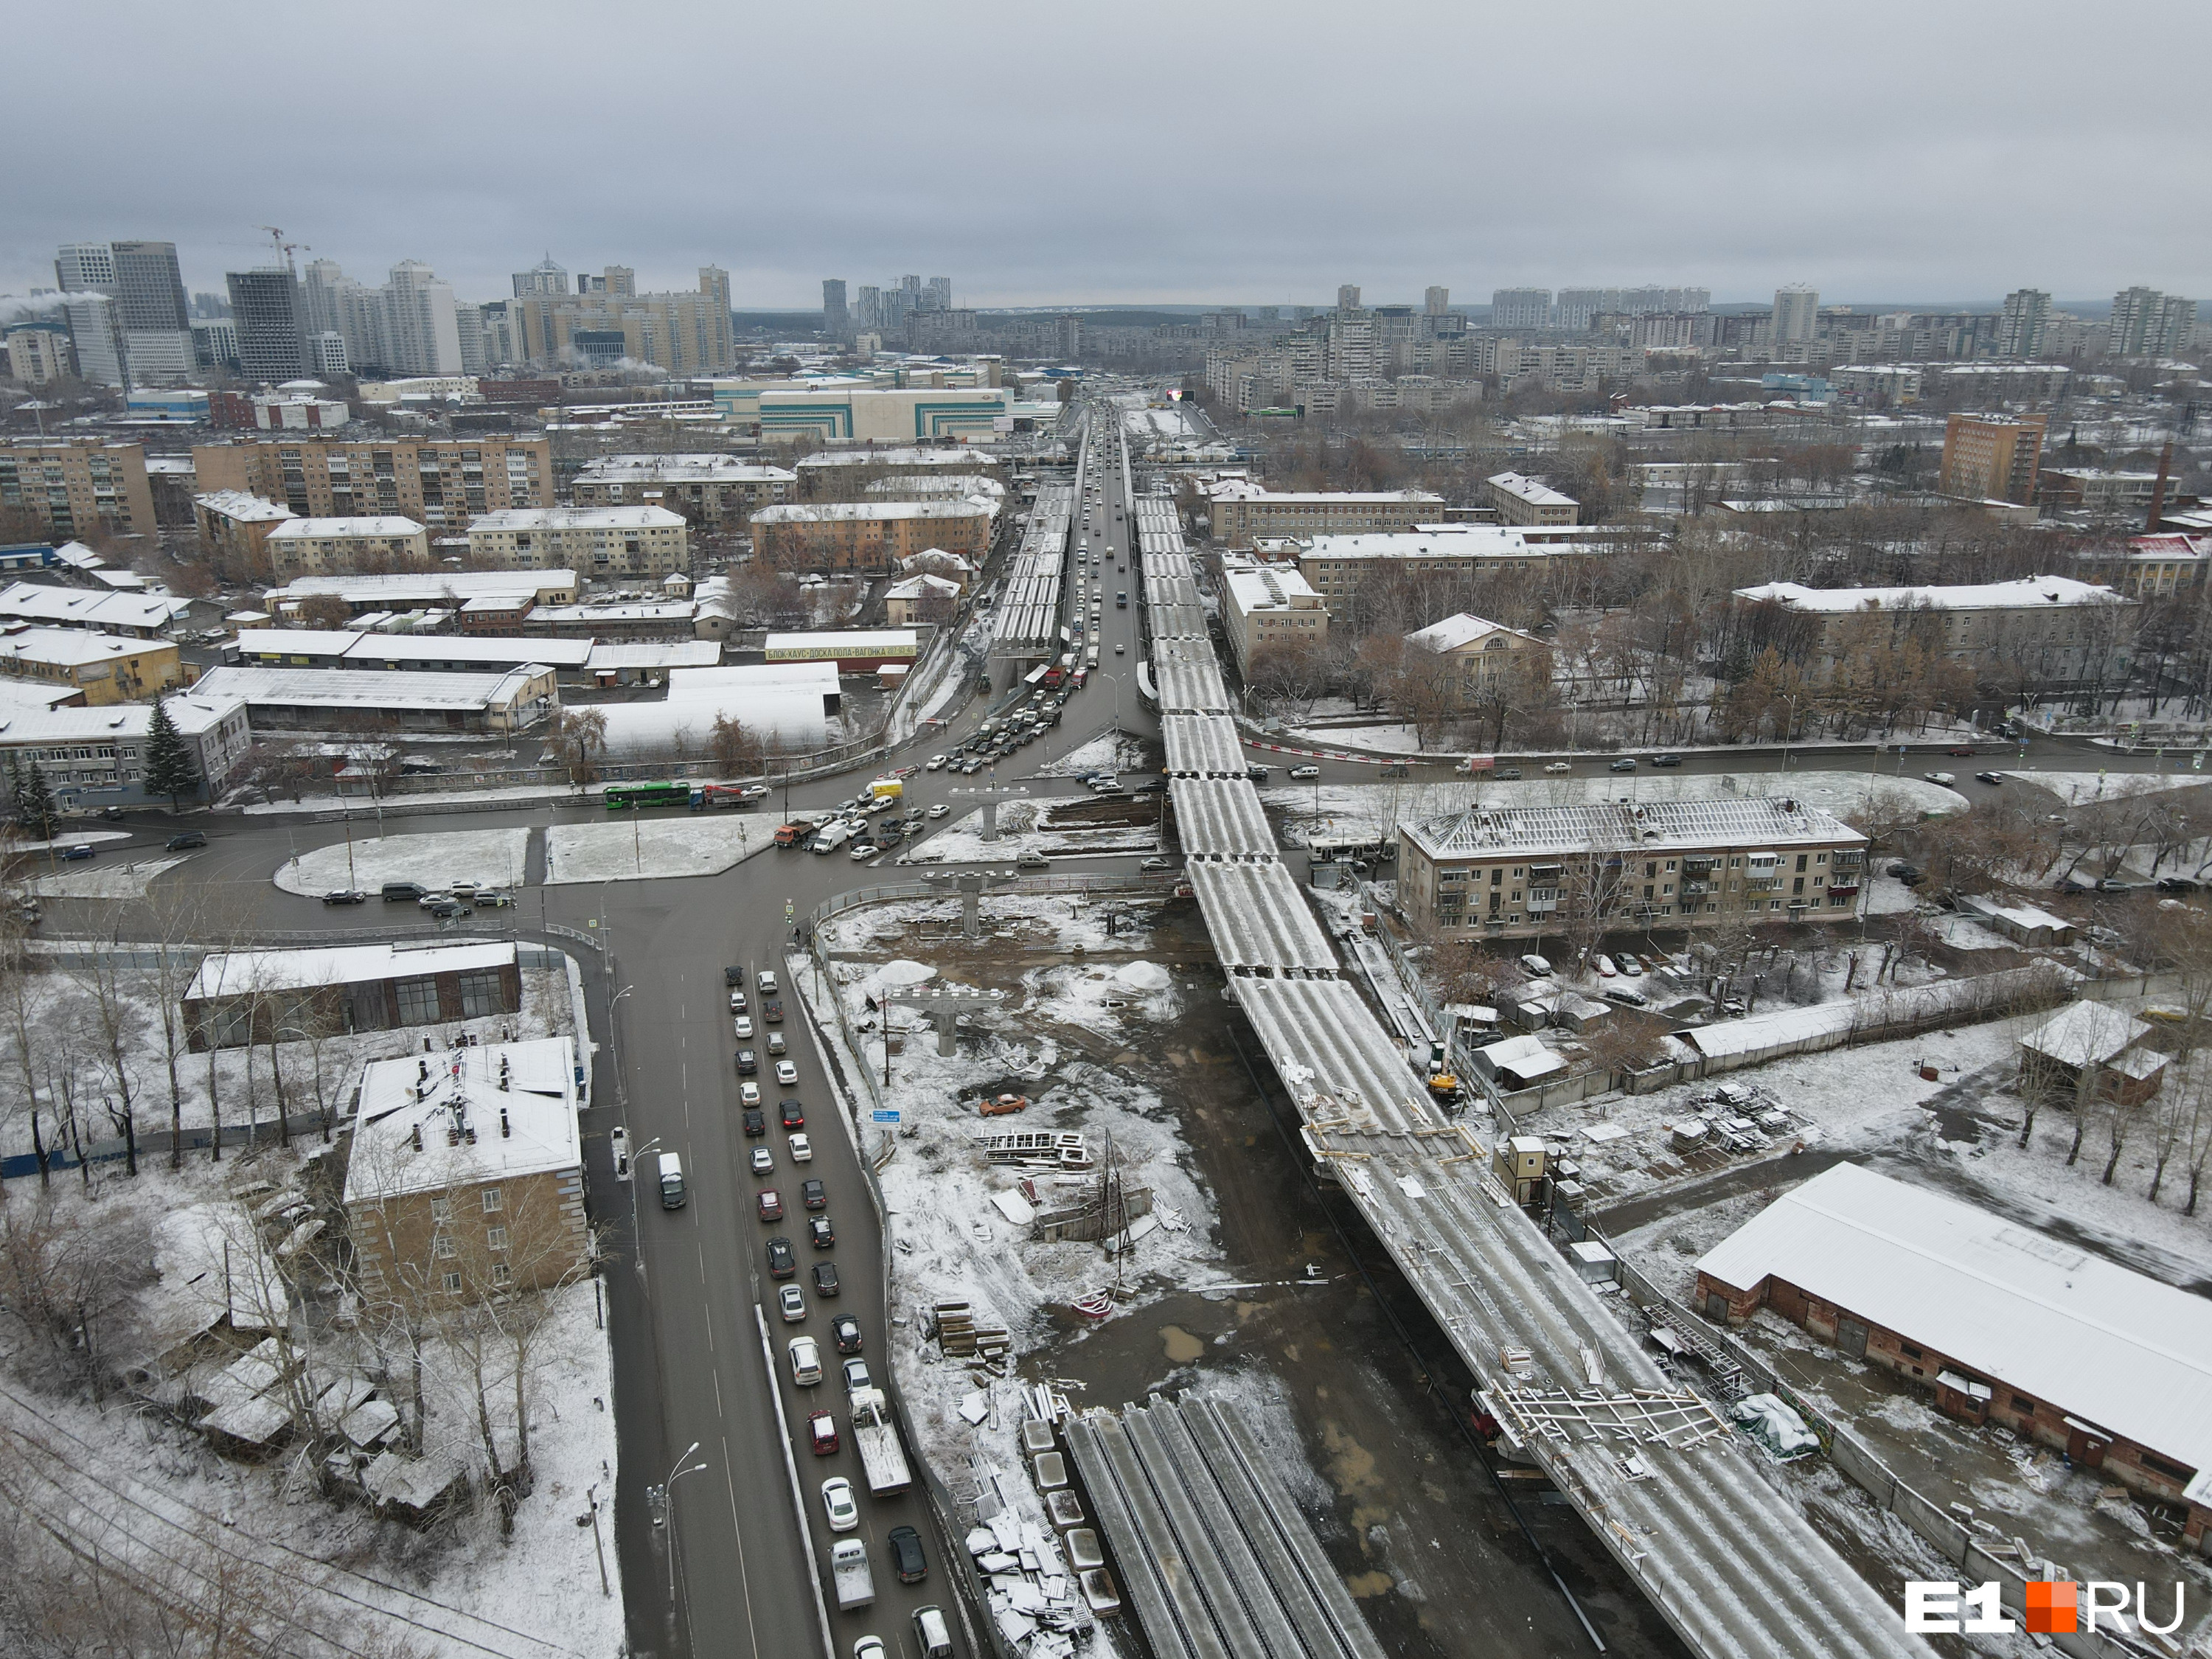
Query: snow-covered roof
(672, 611)
(71, 647)
(1609, 827)
(817, 675)
(240, 973)
(528, 1128)
(32, 696)
(191, 713)
(1535, 491)
(510, 519)
(1463, 629)
(1523, 1056)
(1444, 541)
(1243, 489)
(2026, 917)
(2086, 1034)
(682, 468)
(384, 525)
(852, 641)
(358, 648)
(422, 587)
(371, 687)
(243, 506)
(654, 654)
(2029, 593)
(962, 457)
(916, 587)
(849, 512)
(2113, 1347)
(1268, 587)
(78, 607)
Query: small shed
(1517, 1062)
(2023, 924)
(2083, 1036)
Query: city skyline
(1404, 184)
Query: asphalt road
(686, 1286)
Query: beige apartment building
(76, 488)
(870, 536)
(682, 333)
(343, 547)
(1521, 500)
(711, 488)
(1520, 873)
(1336, 565)
(1242, 512)
(1266, 607)
(234, 526)
(1992, 458)
(440, 484)
(597, 542)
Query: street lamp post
(614, 1043)
(637, 1249)
(675, 1472)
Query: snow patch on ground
(1027, 827)
(78, 840)
(436, 858)
(2086, 788)
(652, 849)
(97, 881)
(1110, 752)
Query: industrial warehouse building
(2007, 1325)
(1518, 872)
(422, 653)
(378, 700)
(242, 996)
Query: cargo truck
(830, 837)
(849, 1570)
(888, 788)
(882, 1453)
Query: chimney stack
(505, 1133)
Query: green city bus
(621, 797)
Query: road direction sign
(891, 1117)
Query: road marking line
(744, 1579)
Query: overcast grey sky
(1195, 151)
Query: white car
(1605, 967)
(806, 1361)
(1536, 967)
(749, 1094)
(935, 762)
(786, 1075)
(800, 1148)
(939, 810)
(1298, 773)
(1561, 766)
(1945, 779)
(766, 981)
(764, 1161)
(742, 1025)
(791, 1302)
(837, 1500)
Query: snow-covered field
(127, 878)
(1370, 808)
(1110, 752)
(1027, 827)
(2080, 788)
(653, 848)
(435, 858)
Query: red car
(822, 1433)
(1961, 751)
(771, 1203)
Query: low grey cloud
(1228, 152)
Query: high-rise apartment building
(1992, 458)
(1436, 302)
(2020, 329)
(868, 315)
(1521, 307)
(423, 336)
(1796, 314)
(36, 356)
(939, 297)
(214, 343)
(836, 321)
(97, 333)
(266, 306)
(682, 333)
(151, 312)
(543, 277)
(436, 483)
(1347, 296)
(75, 488)
(2149, 324)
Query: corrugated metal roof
(1612, 826)
(2115, 1347)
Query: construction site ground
(1281, 1317)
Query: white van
(672, 1182)
(931, 1630)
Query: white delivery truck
(882, 1454)
(830, 837)
(848, 1568)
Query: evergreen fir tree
(169, 769)
(35, 802)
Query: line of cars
(461, 898)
